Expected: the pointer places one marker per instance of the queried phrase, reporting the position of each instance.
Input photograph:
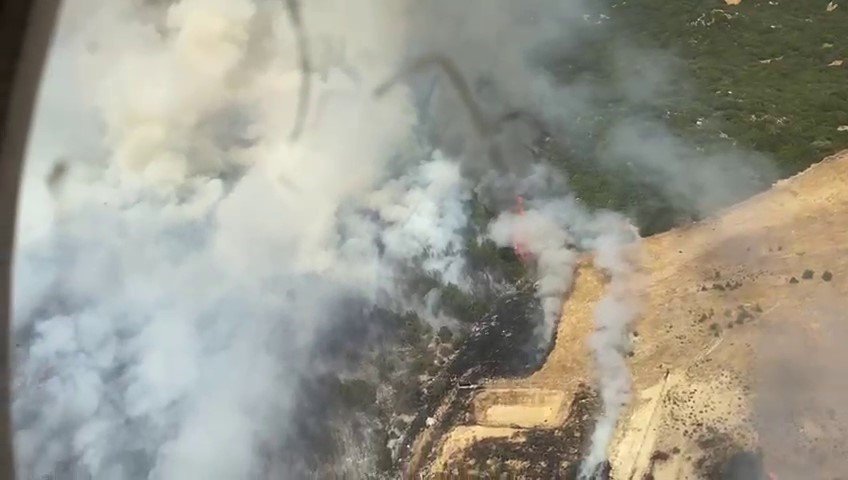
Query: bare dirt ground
(738, 349)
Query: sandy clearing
(520, 407)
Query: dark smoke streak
(457, 80)
(484, 128)
(520, 115)
(296, 20)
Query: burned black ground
(539, 453)
(503, 343)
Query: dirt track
(726, 300)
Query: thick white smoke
(552, 250)
(169, 284)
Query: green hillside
(762, 75)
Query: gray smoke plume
(178, 255)
(610, 342)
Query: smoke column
(549, 244)
(610, 342)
